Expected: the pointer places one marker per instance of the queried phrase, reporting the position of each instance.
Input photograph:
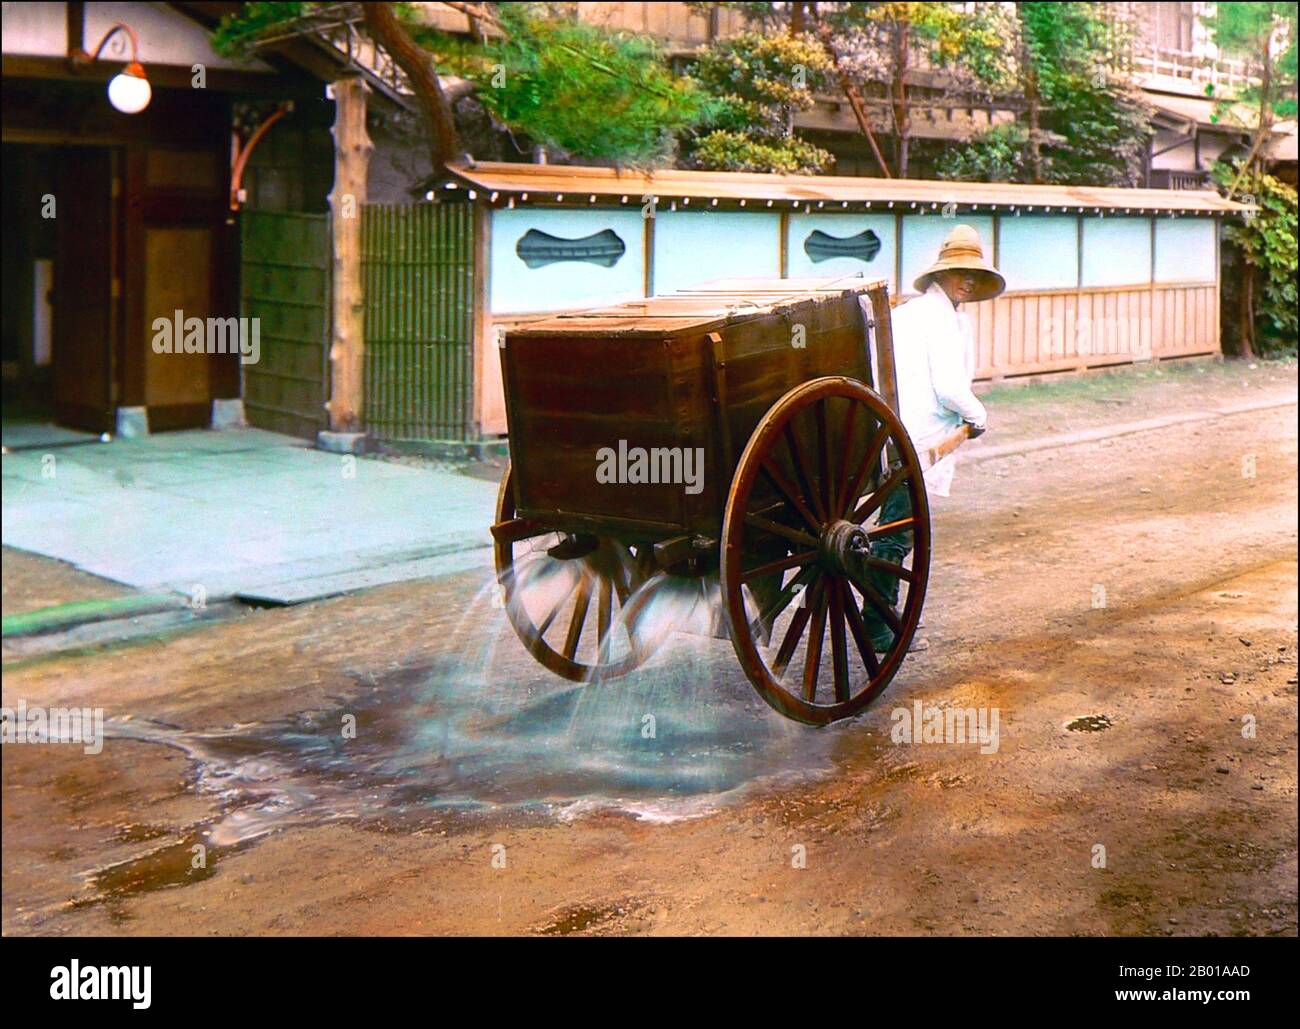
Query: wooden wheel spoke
(839, 646)
(813, 656)
(579, 618)
(790, 492)
(846, 443)
(612, 569)
(797, 560)
(859, 629)
(621, 586)
(881, 605)
(793, 634)
(553, 613)
(801, 471)
(604, 611)
(827, 492)
(869, 506)
(897, 571)
(788, 593)
(777, 529)
(890, 528)
(869, 459)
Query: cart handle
(945, 447)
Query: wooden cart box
(744, 429)
(682, 376)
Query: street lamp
(129, 89)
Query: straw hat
(963, 251)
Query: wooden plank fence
(417, 265)
(1033, 333)
(285, 283)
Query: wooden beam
(75, 20)
(352, 149)
(220, 80)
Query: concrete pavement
(243, 513)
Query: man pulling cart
(934, 362)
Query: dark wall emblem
(821, 247)
(538, 249)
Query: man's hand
(973, 430)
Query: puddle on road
(487, 729)
(1090, 723)
(576, 919)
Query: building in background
(1173, 61)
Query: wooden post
(352, 149)
(648, 252)
(487, 352)
(783, 244)
(887, 387)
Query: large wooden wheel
(803, 510)
(572, 589)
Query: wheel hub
(841, 543)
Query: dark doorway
(85, 294)
(58, 262)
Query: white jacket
(934, 358)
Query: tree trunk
(797, 18)
(1035, 139)
(1247, 321)
(417, 63)
(849, 88)
(1035, 142)
(1265, 127)
(1029, 78)
(902, 122)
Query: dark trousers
(893, 548)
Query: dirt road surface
(1127, 607)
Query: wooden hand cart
(786, 389)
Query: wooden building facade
(113, 219)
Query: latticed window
(1168, 26)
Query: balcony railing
(1166, 178)
(1224, 73)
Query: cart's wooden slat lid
(706, 305)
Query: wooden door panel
(177, 277)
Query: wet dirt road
(481, 795)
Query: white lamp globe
(129, 91)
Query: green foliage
(1251, 30)
(1266, 242)
(575, 87)
(1094, 124)
(578, 88)
(728, 150)
(1099, 115)
(997, 155)
(955, 38)
(238, 32)
(758, 83)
